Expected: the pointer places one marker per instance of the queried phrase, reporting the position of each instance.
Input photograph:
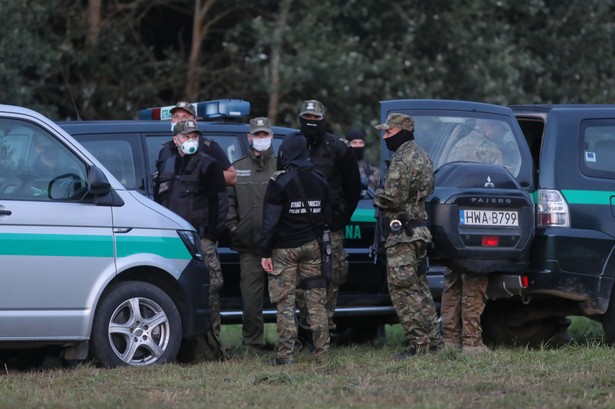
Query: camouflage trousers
(463, 302)
(215, 283)
(338, 277)
(290, 268)
(411, 296)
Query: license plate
(488, 217)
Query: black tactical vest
(184, 193)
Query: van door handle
(5, 212)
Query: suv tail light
(552, 209)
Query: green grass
(579, 375)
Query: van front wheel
(136, 324)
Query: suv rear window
(441, 136)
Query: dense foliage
(117, 56)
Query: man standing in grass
(293, 220)
(408, 181)
(244, 221)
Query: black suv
(541, 224)
(129, 150)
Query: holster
(407, 225)
(313, 282)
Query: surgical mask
(261, 144)
(190, 146)
(172, 126)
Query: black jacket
(333, 158)
(193, 187)
(286, 223)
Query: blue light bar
(222, 108)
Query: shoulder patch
(277, 174)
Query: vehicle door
(481, 211)
(56, 245)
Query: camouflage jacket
(476, 147)
(407, 182)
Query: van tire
(122, 338)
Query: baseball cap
(186, 106)
(397, 120)
(260, 124)
(185, 127)
(312, 107)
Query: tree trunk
(276, 57)
(199, 32)
(94, 18)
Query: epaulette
(277, 174)
(345, 141)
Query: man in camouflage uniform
(407, 182)
(480, 145)
(464, 295)
(294, 215)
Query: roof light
(221, 108)
(552, 209)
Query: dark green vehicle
(542, 224)
(129, 150)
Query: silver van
(85, 264)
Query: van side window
(30, 158)
(117, 157)
(599, 149)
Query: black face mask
(312, 130)
(358, 153)
(394, 142)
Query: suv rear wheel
(501, 327)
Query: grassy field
(579, 375)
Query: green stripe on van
(167, 247)
(61, 245)
(363, 216)
(77, 245)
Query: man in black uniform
(332, 157)
(294, 216)
(191, 184)
(182, 111)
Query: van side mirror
(99, 184)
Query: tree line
(115, 57)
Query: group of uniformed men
(276, 210)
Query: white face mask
(173, 125)
(261, 144)
(190, 146)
